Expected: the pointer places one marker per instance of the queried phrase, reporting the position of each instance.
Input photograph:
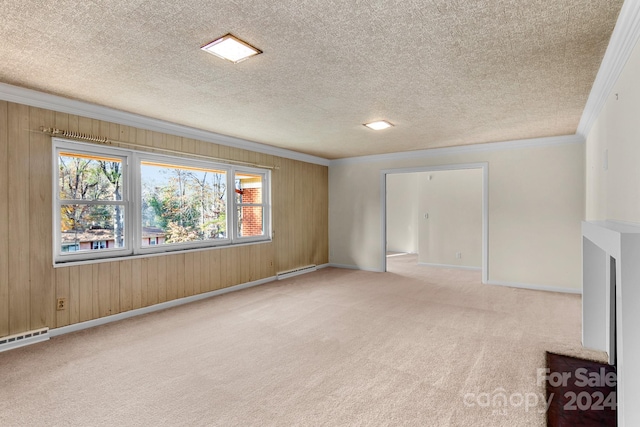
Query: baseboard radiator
(296, 272)
(23, 338)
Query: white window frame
(140, 157)
(61, 145)
(131, 201)
(266, 203)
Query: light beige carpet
(416, 346)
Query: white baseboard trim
(156, 307)
(353, 267)
(458, 267)
(535, 287)
(323, 266)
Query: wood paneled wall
(29, 285)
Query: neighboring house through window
(100, 244)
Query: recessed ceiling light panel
(231, 48)
(379, 125)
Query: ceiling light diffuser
(231, 48)
(379, 125)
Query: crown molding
(47, 101)
(464, 149)
(623, 39)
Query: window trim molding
(132, 193)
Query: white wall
(614, 193)
(402, 213)
(453, 201)
(536, 204)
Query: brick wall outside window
(251, 215)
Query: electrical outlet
(459, 255)
(61, 304)
(270, 263)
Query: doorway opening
(436, 215)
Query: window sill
(157, 254)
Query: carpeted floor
(416, 346)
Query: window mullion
(232, 209)
(135, 195)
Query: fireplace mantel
(611, 305)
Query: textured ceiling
(444, 72)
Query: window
(249, 204)
(91, 202)
(100, 244)
(184, 199)
(112, 202)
